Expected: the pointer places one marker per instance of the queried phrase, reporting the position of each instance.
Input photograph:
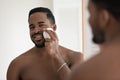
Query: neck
(39, 51)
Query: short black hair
(112, 6)
(50, 15)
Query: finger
(47, 40)
(54, 33)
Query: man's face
(98, 32)
(37, 22)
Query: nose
(37, 29)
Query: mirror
(14, 30)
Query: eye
(41, 25)
(31, 27)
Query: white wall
(69, 21)
(14, 31)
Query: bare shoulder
(16, 66)
(21, 59)
(106, 62)
(74, 57)
(71, 53)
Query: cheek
(94, 24)
(90, 21)
(31, 33)
(93, 21)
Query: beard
(40, 45)
(97, 31)
(98, 37)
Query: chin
(39, 44)
(98, 39)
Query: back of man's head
(112, 6)
(48, 12)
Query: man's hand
(52, 46)
(52, 43)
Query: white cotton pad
(50, 29)
(46, 35)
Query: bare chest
(38, 70)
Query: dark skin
(106, 64)
(42, 63)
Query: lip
(37, 37)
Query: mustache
(38, 33)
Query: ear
(104, 17)
(54, 27)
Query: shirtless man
(47, 60)
(105, 23)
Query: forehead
(38, 15)
(92, 7)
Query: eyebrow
(30, 25)
(41, 22)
